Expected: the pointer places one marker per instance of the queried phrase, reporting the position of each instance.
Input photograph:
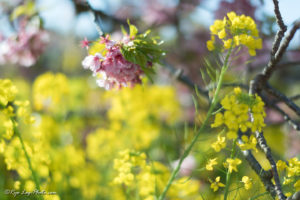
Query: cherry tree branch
(282, 28)
(265, 176)
(276, 56)
(283, 98)
(266, 149)
(295, 125)
(260, 83)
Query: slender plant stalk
(34, 175)
(203, 126)
(228, 174)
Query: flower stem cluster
(234, 31)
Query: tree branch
(295, 125)
(270, 68)
(265, 176)
(283, 98)
(282, 28)
(266, 149)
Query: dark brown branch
(283, 98)
(295, 125)
(270, 68)
(265, 176)
(266, 149)
(282, 28)
(288, 64)
(294, 98)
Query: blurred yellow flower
(210, 164)
(247, 182)
(215, 185)
(232, 164)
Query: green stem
(203, 126)
(228, 174)
(34, 175)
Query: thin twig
(282, 28)
(294, 98)
(283, 98)
(288, 64)
(295, 125)
(270, 68)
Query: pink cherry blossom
(112, 70)
(85, 43)
(24, 48)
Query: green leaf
(142, 50)
(132, 30)
(141, 59)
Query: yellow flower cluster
(50, 92)
(7, 92)
(234, 31)
(55, 147)
(24, 111)
(6, 126)
(248, 143)
(15, 159)
(149, 179)
(236, 117)
(292, 169)
(142, 108)
(125, 165)
(21, 111)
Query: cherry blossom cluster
(110, 67)
(24, 48)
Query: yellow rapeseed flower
(232, 164)
(211, 163)
(247, 182)
(215, 185)
(219, 144)
(238, 107)
(249, 143)
(236, 30)
(281, 165)
(297, 185)
(7, 91)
